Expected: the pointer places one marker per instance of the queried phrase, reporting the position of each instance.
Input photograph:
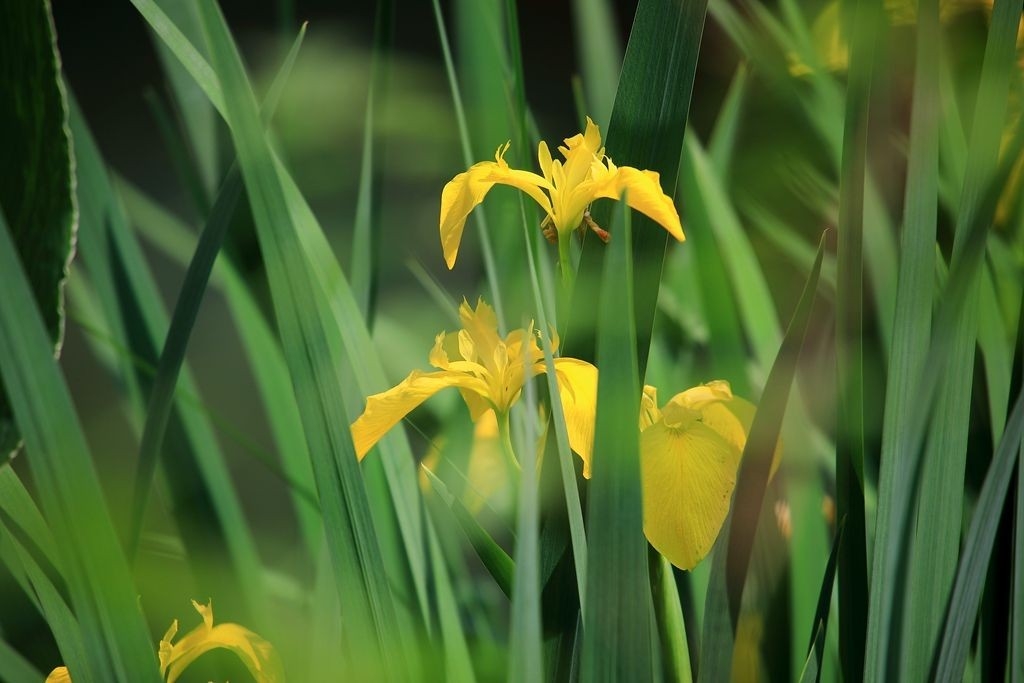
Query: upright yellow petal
(481, 324)
(643, 193)
(258, 655)
(385, 410)
(580, 152)
(688, 477)
(577, 386)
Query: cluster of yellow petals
(564, 190)
(487, 369)
(258, 655)
(690, 448)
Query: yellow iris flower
(489, 372)
(565, 190)
(257, 654)
(689, 456)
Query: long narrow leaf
(947, 445)
(372, 636)
(98, 579)
(617, 635)
(645, 131)
(850, 446)
(951, 655)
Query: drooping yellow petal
(577, 387)
(463, 192)
(385, 410)
(643, 193)
(688, 477)
(258, 655)
(59, 675)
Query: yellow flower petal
(643, 193)
(577, 386)
(258, 655)
(59, 675)
(688, 477)
(386, 409)
(463, 192)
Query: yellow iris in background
(257, 654)
(489, 372)
(565, 190)
(689, 456)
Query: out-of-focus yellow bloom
(257, 654)
(830, 45)
(564, 191)
(689, 455)
(489, 372)
(747, 663)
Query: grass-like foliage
(712, 371)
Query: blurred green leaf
(600, 55)
(494, 558)
(314, 353)
(213, 527)
(186, 309)
(861, 22)
(14, 668)
(729, 567)
(98, 578)
(941, 492)
(912, 323)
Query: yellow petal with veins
(386, 409)
(688, 476)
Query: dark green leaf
(36, 189)
(618, 642)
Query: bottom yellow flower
(258, 656)
(689, 455)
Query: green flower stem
(505, 436)
(565, 259)
(568, 274)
